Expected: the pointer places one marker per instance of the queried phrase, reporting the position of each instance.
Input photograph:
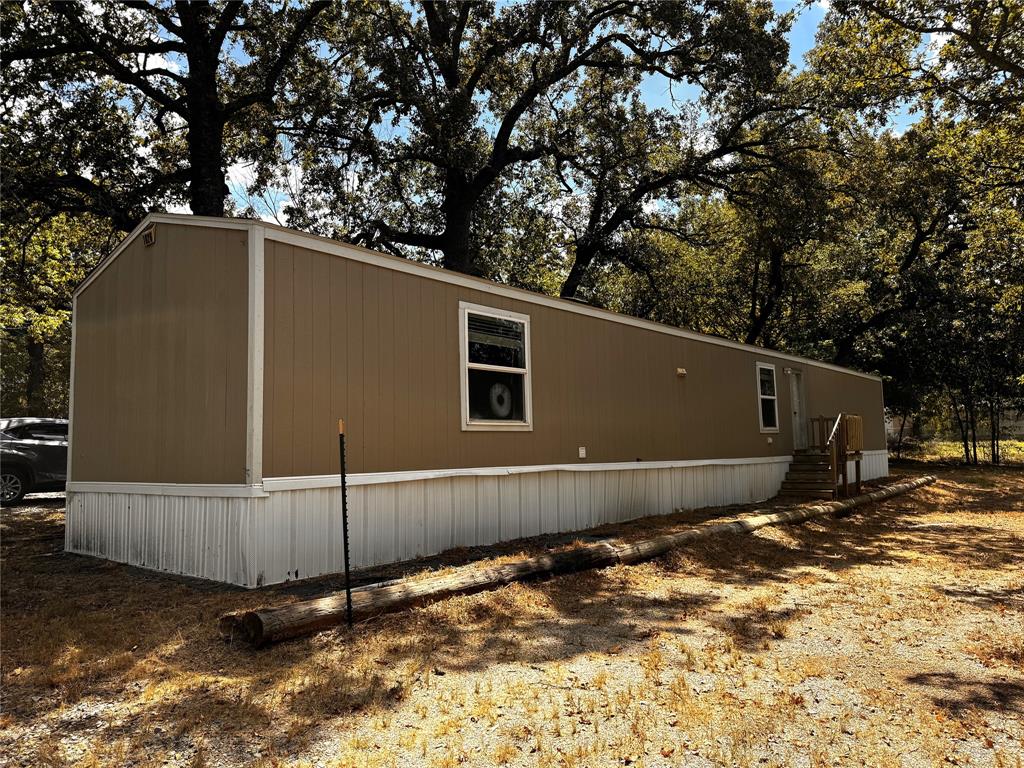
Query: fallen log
(270, 625)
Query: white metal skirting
(296, 534)
(874, 464)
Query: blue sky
(801, 38)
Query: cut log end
(251, 629)
(226, 626)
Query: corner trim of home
(254, 388)
(71, 389)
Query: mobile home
(212, 359)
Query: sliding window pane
(496, 396)
(496, 341)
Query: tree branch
(265, 94)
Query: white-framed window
(767, 398)
(495, 368)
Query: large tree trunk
(994, 411)
(582, 259)
(844, 350)
(35, 401)
(456, 242)
(762, 311)
(261, 627)
(207, 189)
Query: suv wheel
(13, 486)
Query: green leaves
(434, 106)
(40, 265)
(117, 108)
(519, 141)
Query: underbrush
(952, 451)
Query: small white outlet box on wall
(583, 452)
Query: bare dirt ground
(893, 637)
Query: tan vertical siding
(161, 359)
(831, 392)
(385, 344)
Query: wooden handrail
(844, 440)
(832, 434)
(823, 431)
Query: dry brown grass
(886, 638)
(994, 651)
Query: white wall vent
(149, 236)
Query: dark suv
(33, 457)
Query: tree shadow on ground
(80, 627)
(68, 617)
(891, 533)
(958, 696)
(1003, 598)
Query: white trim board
(254, 373)
(71, 390)
(272, 484)
(355, 253)
(168, 489)
(378, 478)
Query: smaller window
(767, 399)
(495, 368)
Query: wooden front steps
(821, 470)
(809, 476)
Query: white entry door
(796, 400)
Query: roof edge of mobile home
(387, 261)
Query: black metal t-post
(344, 519)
